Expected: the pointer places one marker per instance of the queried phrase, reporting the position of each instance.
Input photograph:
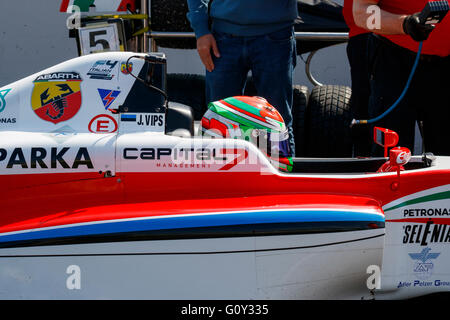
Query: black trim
(245, 230)
(346, 165)
(141, 98)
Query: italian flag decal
(100, 5)
(432, 205)
(431, 197)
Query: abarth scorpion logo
(58, 102)
(56, 96)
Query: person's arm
(390, 23)
(198, 17)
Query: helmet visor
(279, 144)
(275, 144)
(284, 150)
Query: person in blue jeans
(236, 37)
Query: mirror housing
(385, 138)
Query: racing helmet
(252, 119)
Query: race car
(110, 191)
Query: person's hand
(416, 30)
(206, 44)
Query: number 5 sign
(98, 38)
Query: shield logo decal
(56, 97)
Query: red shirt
(348, 16)
(439, 41)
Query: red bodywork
(41, 200)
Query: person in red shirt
(393, 46)
(359, 72)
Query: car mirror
(385, 138)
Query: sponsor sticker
(144, 119)
(424, 234)
(103, 123)
(108, 96)
(124, 69)
(8, 120)
(423, 265)
(102, 70)
(188, 158)
(151, 122)
(423, 270)
(3, 94)
(56, 97)
(426, 212)
(5, 120)
(42, 157)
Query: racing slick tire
(188, 89)
(328, 122)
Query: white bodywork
(234, 268)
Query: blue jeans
(271, 58)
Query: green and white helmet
(251, 119)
